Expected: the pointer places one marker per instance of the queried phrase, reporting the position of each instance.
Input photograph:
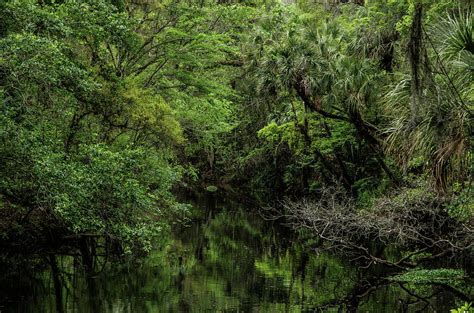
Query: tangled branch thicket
(415, 221)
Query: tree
(433, 105)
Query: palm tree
(440, 130)
(307, 64)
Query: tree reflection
(227, 260)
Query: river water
(224, 260)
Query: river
(224, 260)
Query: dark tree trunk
(85, 247)
(56, 283)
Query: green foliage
(88, 152)
(369, 190)
(461, 206)
(211, 188)
(418, 102)
(424, 276)
(465, 308)
(106, 106)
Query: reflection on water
(227, 260)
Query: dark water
(226, 260)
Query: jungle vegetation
(357, 116)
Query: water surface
(224, 260)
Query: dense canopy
(113, 111)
